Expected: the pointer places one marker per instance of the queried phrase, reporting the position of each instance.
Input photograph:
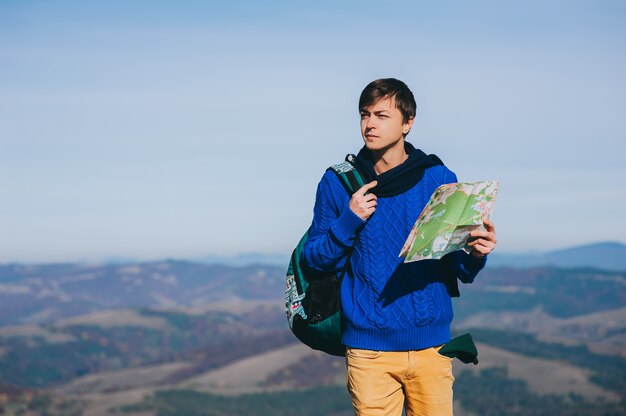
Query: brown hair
(387, 88)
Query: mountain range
(190, 338)
(602, 255)
(46, 293)
(605, 255)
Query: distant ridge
(603, 255)
(246, 259)
(608, 255)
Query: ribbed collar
(398, 179)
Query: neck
(389, 158)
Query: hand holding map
(452, 213)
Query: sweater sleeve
(459, 264)
(334, 227)
(463, 266)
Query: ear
(406, 127)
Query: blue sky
(180, 129)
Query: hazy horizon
(249, 257)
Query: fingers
(481, 250)
(367, 203)
(481, 233)
(488, 234)
(363, 190)
(488, 224)
(483, 242)
(479, 253)
(481, 245)
(364, 205)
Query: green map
(453, 211)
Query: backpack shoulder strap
(348, 175)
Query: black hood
(399, 179)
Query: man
(396, 315)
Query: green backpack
(312, 303)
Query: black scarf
(399, 179)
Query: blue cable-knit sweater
(387, 305)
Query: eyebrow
(363, 110)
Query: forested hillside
(172, 338)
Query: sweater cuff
(346, 226)
(474, 263)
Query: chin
(380, 145)
(373, 145)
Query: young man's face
(382, 125)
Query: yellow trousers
(382, 382)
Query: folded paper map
(453, 211)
